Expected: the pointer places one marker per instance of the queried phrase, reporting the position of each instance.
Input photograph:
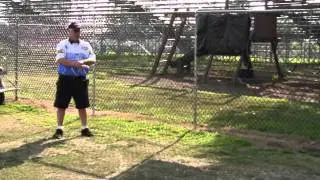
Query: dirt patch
(11, 144)
(7, 125)
(14, 130)
(67, 175)
(293, 87)
(89, 145)
(74, 144)
(188, 161)
(47, 106)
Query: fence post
(309, 41)
(195, 86)
(94, 71)
(16, 62)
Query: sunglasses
(75, 30)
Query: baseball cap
(74, 25)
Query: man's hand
(80, 64)
(89, 62)
(77, 64)
(85, 66)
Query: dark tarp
(219, 35)
(224, 34)
(265, 27)
(230, 35)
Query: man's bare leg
(83, 117)
(60, 116)
(85, 130)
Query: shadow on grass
(70, 169)
(234, 159)
(157, 153)
(149, 168)
(30, 151)
(18, 156)
(159, 170)
(149, 80)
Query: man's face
(74, 34)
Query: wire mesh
(127, 45)
(264, 102)
(165, 97)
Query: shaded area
(301, 85)
(70, 169)
(160, 170)
(158, 152)
(18, 156)
(222, 157)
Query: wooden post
(163, 44)
(174, 46)
(274, 44)
(266, 4)
(206, 72)
(16, 62)
(227, 4)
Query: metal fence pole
(94, 72)
(195, 87)
(309, 41)
(16, 62)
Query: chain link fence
(129, 76)
(261, 100)
(126, 46)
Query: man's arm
(92, 56)
(61, 57)
(63, 61)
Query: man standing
(72, 81)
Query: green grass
(262, 114)
(175, 106)
(215, 109)
(127, 64)
(123, 143)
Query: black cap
(74, 25)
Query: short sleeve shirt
(73, 52)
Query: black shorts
(76, 87)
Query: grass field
(141, 64)
(128, 148)
(172, 105)
(173, 100)
(145, 131)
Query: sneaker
(58, 134)
(86, 132)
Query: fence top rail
(99, 14)
(186, 13)
(210, 10)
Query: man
(72, 81)
(2, 72)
